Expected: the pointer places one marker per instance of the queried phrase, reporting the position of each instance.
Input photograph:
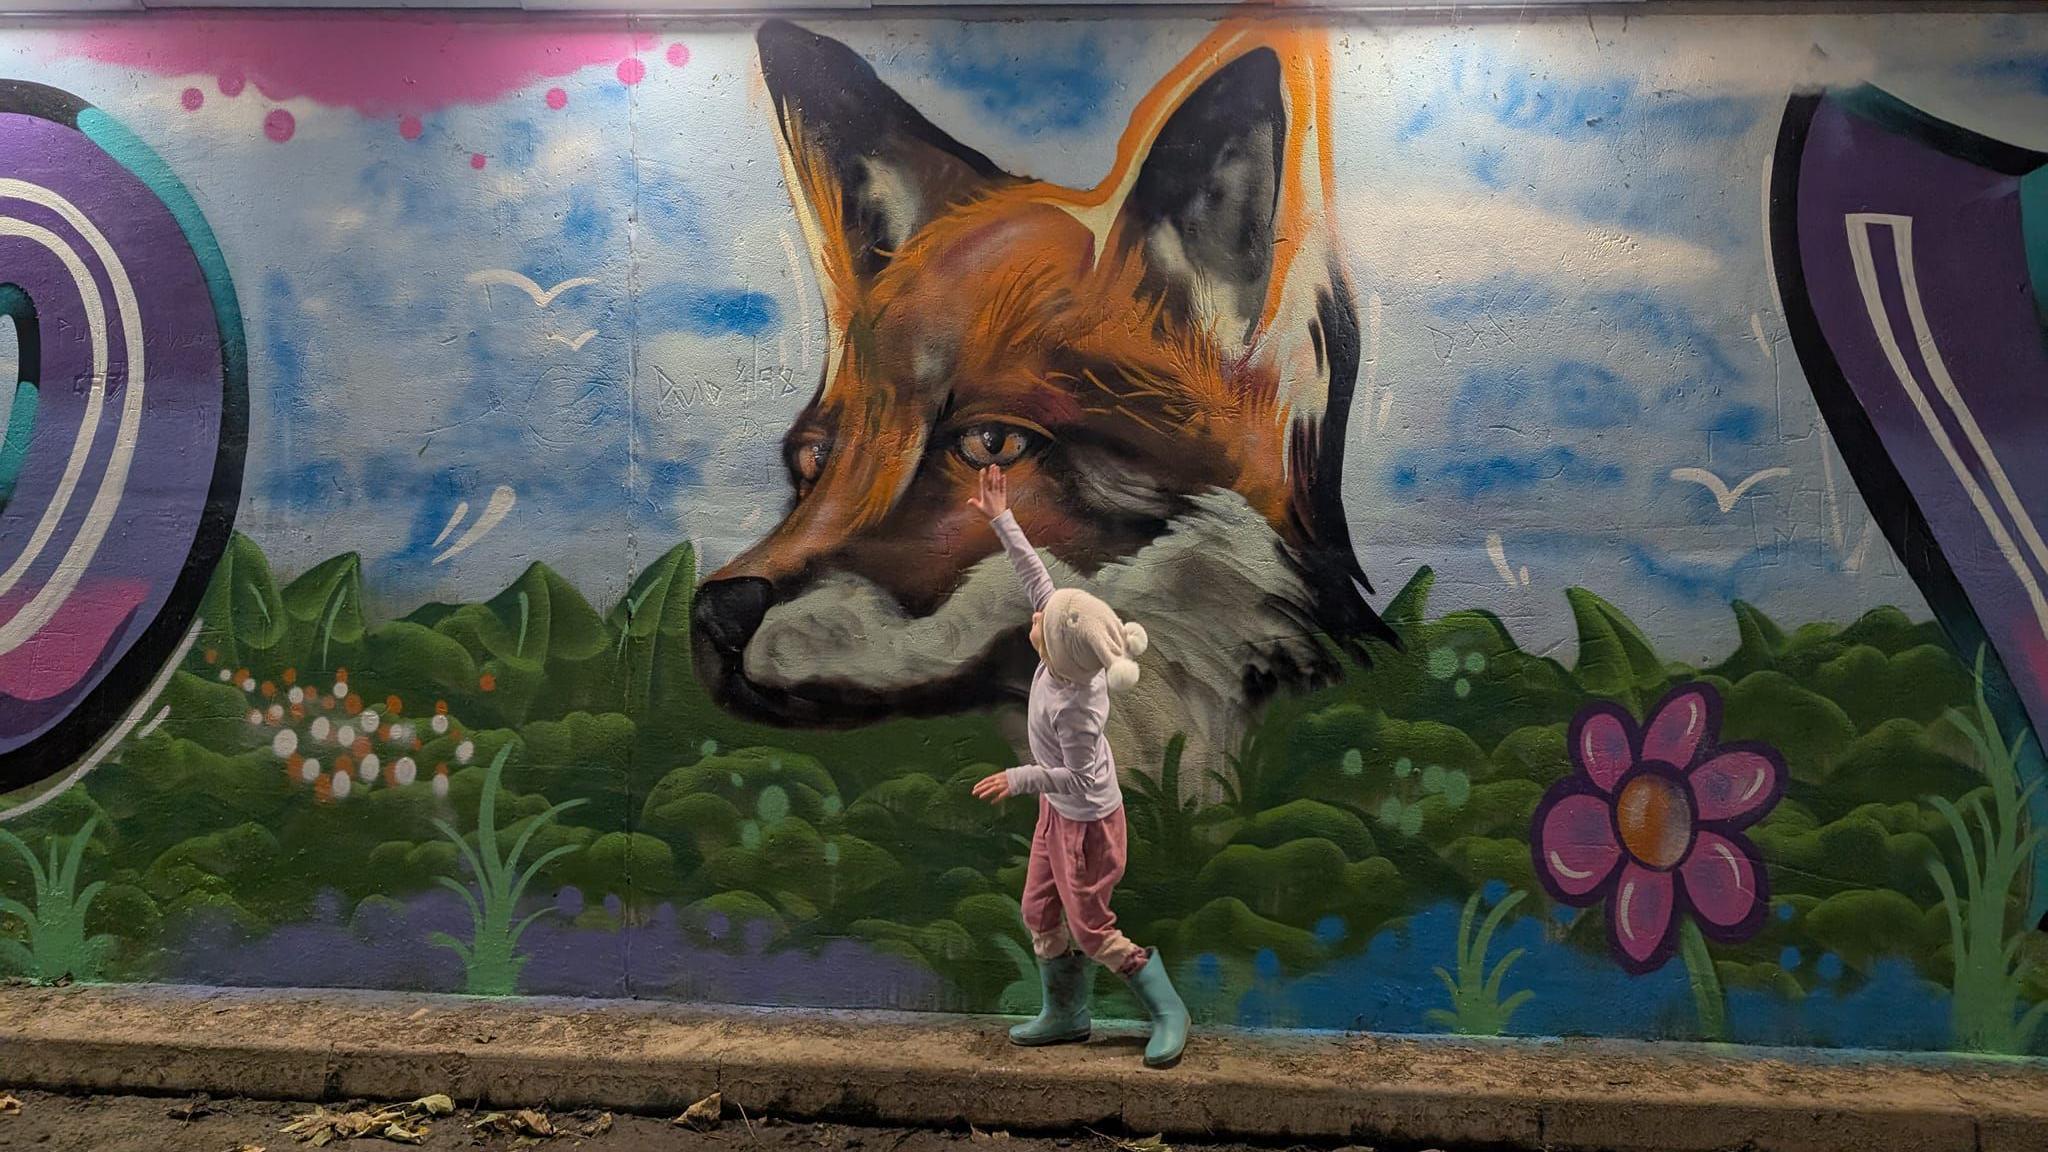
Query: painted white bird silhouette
(575, 342)
(1724, 495)
(541, 297)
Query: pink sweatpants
(1074, 867)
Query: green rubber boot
(1064, 1018)
(1169, 1016)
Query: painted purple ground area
(382, 944)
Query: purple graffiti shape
(127, 432)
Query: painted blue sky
(1555, 230)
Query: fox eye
(998, 444)
(807, 462)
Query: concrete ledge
(890, 1069)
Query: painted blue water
(1390, 986)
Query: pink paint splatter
(631, 71)
(192, 98)
(279, 125)
(409, 127)
(557, 99)
(477, 161)
(379, 64)
(679, 54)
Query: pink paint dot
(476, 161)
(679, 54)
(279, 125)
(631, 71)
(557, 99)
(408, 127)
(231, 83)
(192, 98)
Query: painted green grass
(491, 959)
(1476, 1005)
(58, 946)
(1989, 972)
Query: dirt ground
(53, 1123)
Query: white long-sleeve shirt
(1073, 767)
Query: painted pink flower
(1651, 823)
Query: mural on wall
(601, 614)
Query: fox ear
(1202, 207)
(865, 169)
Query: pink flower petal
(1603, 743)
(1575, 844)
(1679, 726)
(1639, 914)
(1739, 784)
(1720, 879)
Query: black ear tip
(781, 41)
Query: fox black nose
(727, 612)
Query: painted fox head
(1163, 365)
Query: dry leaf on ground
(1147, 1144)
(248, 1148)
(9, 1106)
(704, 1115)
(979, 1137)
(525, 1122)
(321, 1127)
(599, 1126)
(439, 1104)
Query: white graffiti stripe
(95, 397)
(501, 502)
(1859, 226)
(113, 738)
(1937, 367)
(114, 481)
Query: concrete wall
(485, 508)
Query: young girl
(1077, 854)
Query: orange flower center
(1655, 816)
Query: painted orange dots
(298, 711)
(291, 676)
(488, 682)
(344, 763)
(323, 789)
(361, 747)
(292, 763)
(393, 706)
(241, 674)
(441, 706)
(213, 655)
(269, 690)
(354, 703)
(326, 701)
